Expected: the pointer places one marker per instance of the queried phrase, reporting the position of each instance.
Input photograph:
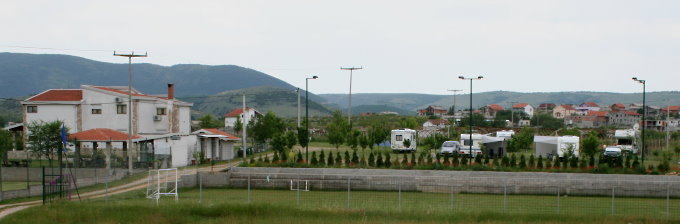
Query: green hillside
(28, 74)
(282, 101)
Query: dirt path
(8, 209)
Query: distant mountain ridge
(414, 101)
(28, 74)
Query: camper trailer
(400, 136)
(476, 145)
(559, 146)
(625, 139)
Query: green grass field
(13, 185)
(285, 206)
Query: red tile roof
(438, 121)
(237, 112)
(597, 113)
(632, 113)
(568, 107)
(495, 107)
(101, 134)
(591, 104)
(619, 105)
(119, 91)
(216, 131)
(520, 105)
(672, 108)
(59, 95)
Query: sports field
(285, 206)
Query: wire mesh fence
(404, 193)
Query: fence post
(200, 187)
(248, 188)
(451, 196)
(399, 195)
(505, 195)
(44, 196)
(558, 200)
(106, 187)
(612, 200)
(297, 196)
(349, 195)
(668, 198)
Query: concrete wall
(456, 181)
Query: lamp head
(461, 77)
(315, 77)
(480, 77)
(635, 78)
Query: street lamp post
(470, 114)
(644, 114)
(307, 114)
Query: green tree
(303, 137)
(363, 141)
(278, 144)
(546, 120)
(539, 164)
(337, 129)
(5, 145)
(330, 160)
(238, 125)
(408, 122)
(291, 139)
(207, 121)
(45, 139)
(353, 139)
(267, 127)
(591, 144)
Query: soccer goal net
(162, 182)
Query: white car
(612, 152)
(449, 147)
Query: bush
(464, 161)
(446, 160)
(505, 161)
(330, 161)
(497, 162)
(478, 159)
(379, 162)
(513, 160)
(486, 160)
(371, 160)
(636, 163)
(583, 163)
(338, 158)
(522, 162)
(556, 163)
(276, 157)
(539, 164)
(298, 157)
(573, 161)
(322, 157)
(627, 161)
(347, 159)
(404, 161)
(456, 161)
(388, 160)
(314, 159)
(532, 162)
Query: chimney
(171, 91)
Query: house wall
(230, 121)
(54, 112)
(180, 150)
(109, 118)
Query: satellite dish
(636, 127)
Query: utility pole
(349, 114)
(129, 141)
(298, 107)
(454, 98)
(245, 125)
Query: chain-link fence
(658, 200)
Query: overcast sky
(404, 46)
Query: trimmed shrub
(539, 163)
(314, 160)
(388, 160)
(371, 160)
(276, 157)
(478, 159)
(338, 158)
(379, 162)
(298, 157)
(347, 159)
(532, 161)
(513, 160)
(322, 157)
(522, 162)
(330, 162)
(355, 157)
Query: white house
(524, 107)
(156, 118)
(215, 144)
(230, 118)
(434, 124)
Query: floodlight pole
(245, 124)
(129, 141)
(454, 98)
(298, 107)
(644, 114)
(470, 114)
(349, 113)
(307, 115)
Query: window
(160, 111)
(31, 109)
(398, 138)
(96, 111)
(121, 109)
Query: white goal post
(162, 182)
